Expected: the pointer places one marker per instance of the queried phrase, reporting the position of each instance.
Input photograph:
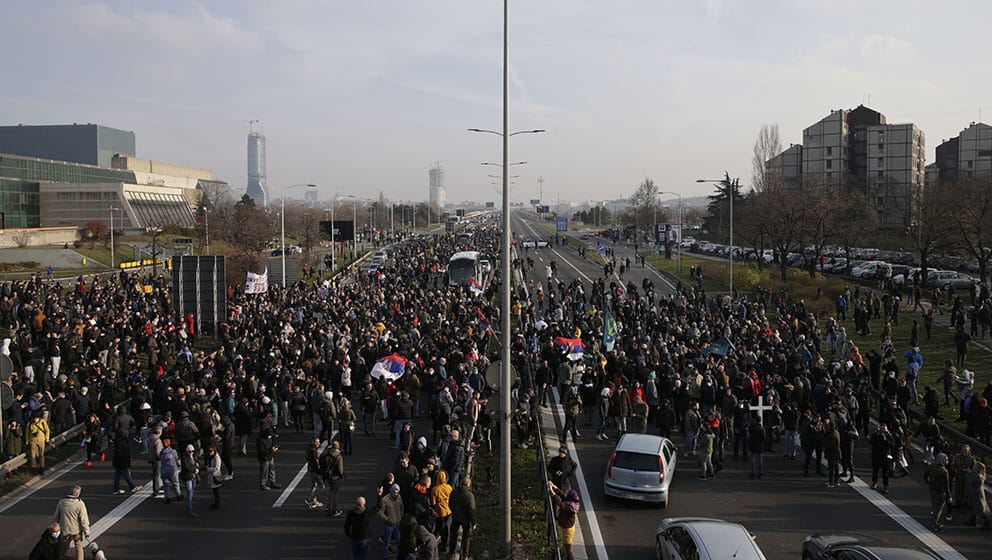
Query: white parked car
(641, 469)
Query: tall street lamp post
(282, 223)
(506, 380)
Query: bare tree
(931, 229)
(767, 146)
(644, 201)
(753, 224)
(786, 211)
(971, 214)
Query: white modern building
(257, 188)
(437, 195)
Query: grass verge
(530, 538)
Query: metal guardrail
(549, 506)
(6, 469)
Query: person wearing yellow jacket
(440, 494)
(38, 436)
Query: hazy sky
(360, 95)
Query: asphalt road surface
(781, 509)
(247, 525)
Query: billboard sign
(490, 205)
(543, 209)
(535, 201)
(344, 230)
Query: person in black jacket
(265, 450)
(52, 545)
(756, 442)
(561, 469)
(122, 463)
(357, 527)
(881, 456)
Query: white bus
(465, 265)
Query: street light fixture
(282, 220)
(731, 196)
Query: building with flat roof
(787, 166)
(967, 155)
(90, 144)
(437, 196)
(37, 192)
(857, 149)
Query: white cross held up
(761, 408)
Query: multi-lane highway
(781, 509)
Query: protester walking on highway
(73, 519)
(756, 442)
(333, 469)
(265, 451)
(881, 456)
(346, 427)
(561, 468)
(315, 473)
(189, 473)
(939, 481)
(169, 460)
(52, 545)
(358, 527)
(155, 447)
(566, 512)
(977, 499)
(390, 511)
(440, 506)
(122, 464)
(214, 477)
(462, 517)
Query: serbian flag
(572, 347)
(389, 368)
(475, 286)
(484, 324)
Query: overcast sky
(362, 96)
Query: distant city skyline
(363, 97)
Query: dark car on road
(844, 547)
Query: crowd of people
(304, 359)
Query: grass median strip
(530, 538)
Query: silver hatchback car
(701, 538)
(641, 469)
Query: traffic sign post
(561, 225)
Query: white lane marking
(912, 526)
(26, 491)
(569, 263)
(119, 512)
(591, 521)
(299, 476)
(551, 445)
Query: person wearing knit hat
(567, 509)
